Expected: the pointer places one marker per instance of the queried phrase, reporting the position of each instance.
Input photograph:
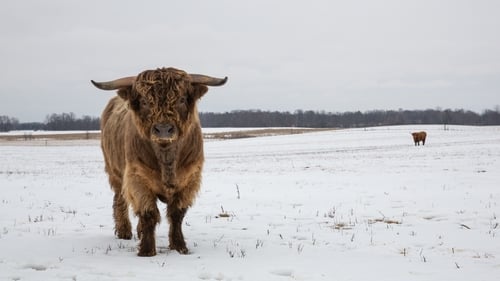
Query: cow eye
(144, 104)
(182, 100)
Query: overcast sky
(279, 55)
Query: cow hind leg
(176, 237)
(123, 228)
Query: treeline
(321, 119)
(53, 122)
(8, 123)
(68, 121)
(299, 118)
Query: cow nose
(163, 130)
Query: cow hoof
(124, 235)
(184, 251)
(146, 253)
(181, 250)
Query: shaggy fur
(419, 137)
(143, 167)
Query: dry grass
(220, 135)
(384, 220)
(261, 133)
(62, 136)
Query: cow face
(163, 102)
(415, 136)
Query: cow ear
(125, 93)
(129, 95)
(197, 91)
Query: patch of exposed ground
(219, 135)
(261, 133)
(61, 136)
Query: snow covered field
(339, 205)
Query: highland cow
(419, 137)
(153, 149)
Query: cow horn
(115, 84)
(207, 80)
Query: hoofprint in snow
(357, 204)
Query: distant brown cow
(153, 149)
(419, 137)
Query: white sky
(279, 55)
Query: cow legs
(177, 206)
(176, 238)
(143, 203)
(148, 221)
(149, 217)
(123, 229)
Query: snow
(353, 204)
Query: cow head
(163, 100)
(415, 136)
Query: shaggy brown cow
(153, 149)
(419, 137)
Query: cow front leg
(148, 221)
(176, 238)
(143, 202)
